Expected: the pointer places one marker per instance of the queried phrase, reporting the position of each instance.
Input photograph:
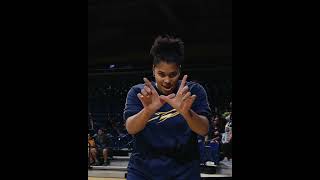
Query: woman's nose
(166, 80)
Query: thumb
(165, 98)
(172, 95)
(193, 97)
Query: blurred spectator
(91, 121)
(216, 138)
(227, 143)
(92, 150)
(102, 143)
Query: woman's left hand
(183, 100)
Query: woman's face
(166, 76)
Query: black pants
(227, 150)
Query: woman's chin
(167, 92)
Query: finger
(148, 83)
(165, 98)
(190, 99)
(186, 96)
(170, 96)
(193, 97)
(148, 90)
(183, 82)
(184, 90)
(140, 96)
(144, 92)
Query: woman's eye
(161, 75)
(173, 75)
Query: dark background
(122, 32)
(120, 35)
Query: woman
(165, 117)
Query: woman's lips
(167, 88)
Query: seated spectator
(216, 138)
(227, 143)
(92, 151)
(102, 143)
(220, 122)
(209, 150)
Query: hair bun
(167, 45)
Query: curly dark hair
(168, 49)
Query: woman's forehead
(166, 67)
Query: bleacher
(118, 169)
